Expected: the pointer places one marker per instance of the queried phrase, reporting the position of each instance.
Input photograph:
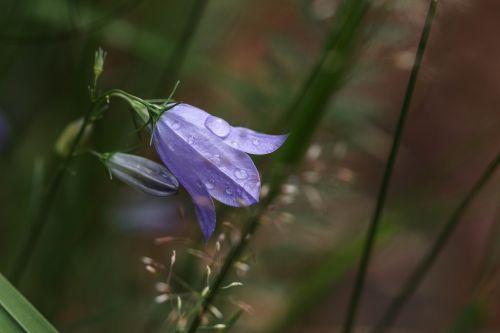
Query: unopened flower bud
(68, 136)
(142, 174)
(100, 56)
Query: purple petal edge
(240, 138)
(252, 142)
(204, 206)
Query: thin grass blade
(17, 314)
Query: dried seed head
(314, 152)
(216, 312)
(162, 287)
(219, 327)
(242, 267)
(179, 304)
(232, 284)
(161, 298)
(264, 190)
(172, 259)
(147, 260)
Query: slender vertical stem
(425, 264)
(384, 187)
(178, 55)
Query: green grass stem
(386, 179)
(424, 266)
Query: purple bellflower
(210, 159)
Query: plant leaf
(17, 314)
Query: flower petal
(191, 114)
(229, 175)
(252, 142)
(166, 142)
(204, 206)
(239, 138)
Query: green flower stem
(425, 264)
(48, 197)
(384, 187)
(305, 115)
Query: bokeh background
(244, 61)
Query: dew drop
(170, 146)
(218, 126)
(252, 184)
(241, 174)
(229, 191)
(176, 124)
(209, 185)
(216, 159)
(190, 139)
(234, 144)
(255, 142)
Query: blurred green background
(244, 61)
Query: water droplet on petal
(218, 126)
(209, 185)
(234, 143)
(190, 139)
(216, 159)
(229, 190)
(176, 125)
(240, 174)
(170, 146)
(252, 184)
(255, 142)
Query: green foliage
(328, 75)
(314, 287)
(470, 319)
(17, 314)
